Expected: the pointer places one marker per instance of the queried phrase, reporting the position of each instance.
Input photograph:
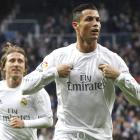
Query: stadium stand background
(42, 26)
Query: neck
(13, 83)
(86, 47)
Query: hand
(64, 70)
(16, 122)
(109, 71)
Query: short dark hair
(78, 11)
(10, 48)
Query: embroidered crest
(23, 102)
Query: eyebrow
(15, 58)
(93, 16)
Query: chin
(16, 76)
(94, 38)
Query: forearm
(130, 88)
(39, 123)
(36, 80)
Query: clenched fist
(64, 70)
(16, 122)
(109, 71)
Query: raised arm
(45, 73)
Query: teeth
(95, 31)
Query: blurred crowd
(124, 17)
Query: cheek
(100, 26)
(24, 69)
(84, 29)
(86, 26)
(6, 68)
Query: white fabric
(26, 107)
(85, 98)
(39, 123)
(75, 136)
(131, 89)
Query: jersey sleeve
(120, 64)
(42, 104)
(129, 86)
(41, 76)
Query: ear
(4, 69)
(75, 25)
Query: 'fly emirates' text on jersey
(25, 107)
(85, 97)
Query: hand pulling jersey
(85, 97)
(25, 107)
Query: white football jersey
(25, 107)
(85, 97)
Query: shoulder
(111, 58)
(106, 53)
(60, 52)
(2, 84)
(41, 95)
(104, 50)
(67, 49)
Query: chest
(85, 68)
(14, 102)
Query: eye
(12, 60)
(20, 61)
(89, 19)
(98, 19)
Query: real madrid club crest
(23, 102)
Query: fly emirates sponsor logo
(13, 113)
(85, 84)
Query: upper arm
(43, 75)
(119, 63)
(47, 63)
(42, 103)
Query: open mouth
(95, 31)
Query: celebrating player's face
(15, 65)
(89, 26)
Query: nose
(95, 23)
(16, 63)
